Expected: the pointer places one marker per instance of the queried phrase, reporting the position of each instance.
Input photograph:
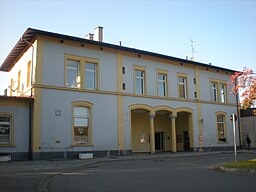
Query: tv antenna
(192, 49)
(14, 86)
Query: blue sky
(223, 31)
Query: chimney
(98, 34)
(89, 36)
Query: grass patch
(241, 164)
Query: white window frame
(141, 79)
(162, 83)
(92, 71)
(223, 123)
(86, 118)
(214, 91)
(81, 74)
(223, 93)
(182, 85)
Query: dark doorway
(186, 144)
(159, 141)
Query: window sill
(7, 145)
(82, 145)
(222, 142)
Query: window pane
(81, 122)
(5, 129)
(90, 66)
(220, 118)
(81, 111)
(214, 92)
(90, 76)
(81, 134)
(182, 87)
(222, 93)
(139, 73)
(161, 85)
(221, 133)
(139, 82)
(139, 86)
(72, 73)
(90, 80)
(182, 91)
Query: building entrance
(159, 141)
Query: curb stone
(238, 170)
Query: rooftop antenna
(192, 49)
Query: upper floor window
(139, 81)
(29, 74)
(221, 127)
(214, 91)
(6, 130)
(72, 73)
(162, 83)
(81, 73)
(19, 82)
(222, 92)
(90, 76)
(182, 83)
(218, 91)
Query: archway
(184, 129)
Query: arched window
(6, 128)
(82, 134)
(221, 126)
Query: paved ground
(159, 172)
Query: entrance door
(186, 144)
(159, 141)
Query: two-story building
(91, 96)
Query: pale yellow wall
(182, 124)
(21, 65)
(163, 124)
(140, 124)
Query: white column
(152, 132)
(174, 147)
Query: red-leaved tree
(244, 83)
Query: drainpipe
(30, 153)
(32, 64)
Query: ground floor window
(221, 127)
(6, 128)
(81, 123)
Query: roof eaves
(30, 35)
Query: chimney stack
(89, 36)
(98, 34)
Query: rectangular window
(11, 87)
(143, 138)
(162, 84)
(218, 91)
(81, 125)
(72, 73)
(29, 74)
(214, 91)
(182, 87)
(222, 92)
(5, 129)
(139, 82)
(221, 127)
(19, 82)
(90, 76)
(81, 72)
